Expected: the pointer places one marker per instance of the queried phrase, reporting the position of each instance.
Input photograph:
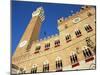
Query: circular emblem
(76, 20)
(22, 43)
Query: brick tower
(31, 33)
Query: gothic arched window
(37, 49)
(59, 64)
(87, 54)
(74, 60)
(68, 37)
(45, 66)
(57, 43)
(34, 69)
(78, 33)
(88, 28)
(47, 46)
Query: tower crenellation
(39, 12)
(64, 23)
(47, 38)
(83, 8)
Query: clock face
(23, 43)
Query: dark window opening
(46, 68)
(78, 33)
(47, 46)
(88, 28)
(57, 43)
(59, 65)
(74, 60)
(88, 54)
(37, 49)
(68, 38)
(34, 70)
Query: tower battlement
(39, 12)
(47, 38)
(62, 20)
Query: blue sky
(22, 13)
